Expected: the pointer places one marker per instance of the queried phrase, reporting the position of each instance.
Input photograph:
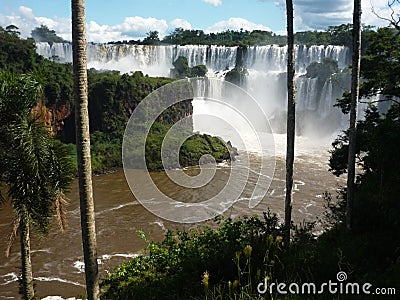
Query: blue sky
(132, 19)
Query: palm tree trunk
(83, 149)
(355, 94)
(27, 277)
(291, 122)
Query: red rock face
(53, 117)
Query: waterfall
(325, 102)
(307, 93)
(266, 66)
(271, 58)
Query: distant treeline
(334, 35)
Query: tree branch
(382, 100)
(393, 21)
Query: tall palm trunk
(26, 272)
(83, 149)
(355, 94)
(291, 121)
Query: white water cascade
(266, 67)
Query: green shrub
(241, 251)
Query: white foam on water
(9, 278)
(79, 265)
(48, 279)
(125, 255)
(224, 164)
(297, 183)
(116, 208)
(41, 250)
(160, 224)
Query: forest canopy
(333, 35)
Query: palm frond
(60, 205)
(2, 199)
(13, 234)
(38, 169)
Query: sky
(133, 19)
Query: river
(57, 258)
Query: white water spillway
(265, 81)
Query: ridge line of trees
(334, 35)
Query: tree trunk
(355, 93)
(291, 121)
(83, 149)
(27, 277)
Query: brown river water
(57, 258)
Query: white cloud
(314, 14)
(26, 21)
(100, 33)
(180, 23)
(309, 15)
(381, 9)
(318, 14)
(213, 2)
(138, 26)
(26, 12)
(236, 24)
(130, 28)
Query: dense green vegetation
(334, 35)
(328, 69)
(44, 34)
(173, 268)
(237, 75)
(378, 137)
(182, 69)
(107, 148)
(190, 152)
(35, 169)
(322, 70)
(16, 54)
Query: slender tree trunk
(291, 121)
(27, 277)
(83, 149)
(355, 94)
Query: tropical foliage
(233, 255)
(37, 170)
(182, 69)
(44, 34)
